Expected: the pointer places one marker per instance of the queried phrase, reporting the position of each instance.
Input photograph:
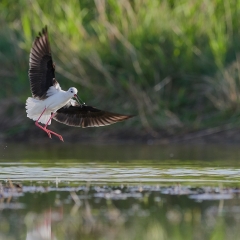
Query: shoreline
(216, 135)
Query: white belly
(56, 101)
(35, 107)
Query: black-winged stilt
(49, 101)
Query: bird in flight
(49, 101)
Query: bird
(49, 102)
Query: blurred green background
(173, 63)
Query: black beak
(78, 99)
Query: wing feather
(41, 68)
(87, 116)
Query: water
(119, 192)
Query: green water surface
(119, 192)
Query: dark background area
(174, 64)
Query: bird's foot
(49, 132)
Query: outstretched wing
(87, 116)
(41, 68)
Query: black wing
(87, 116)
(41, 68)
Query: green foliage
(145, 56)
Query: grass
(170, 62)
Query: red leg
(49, 120)
(49, 132)
(44, 129)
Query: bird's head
(73, 92)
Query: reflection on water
(119, 192)
(123, 212)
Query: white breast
(57, 101)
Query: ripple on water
(100, 173)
